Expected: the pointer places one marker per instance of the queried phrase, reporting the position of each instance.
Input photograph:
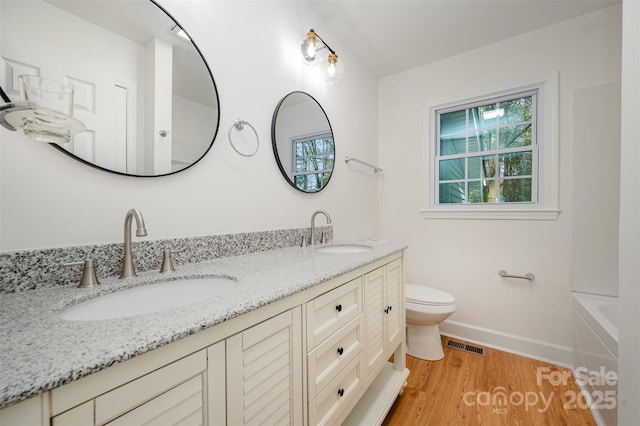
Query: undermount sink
(344, 248)
(149, 298)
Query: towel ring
(239, 124)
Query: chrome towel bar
(528, 276)
(376, 169)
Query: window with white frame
(487, 151)
(494, 155)
(313, 159)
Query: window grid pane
(504, 132)
(313, 161)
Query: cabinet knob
(340, 351)
(339, 308)
(340, 392)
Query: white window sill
(491, 214)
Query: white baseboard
(531, 348)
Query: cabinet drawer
(332, 355)
(331, 311)
(127, 397)
(331, 404)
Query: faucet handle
(323, 238)
(89, 278)
(167, 260)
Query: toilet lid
(427, 296)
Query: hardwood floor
(497, 389)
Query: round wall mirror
(141, 87)
(303, 142)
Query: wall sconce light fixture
(44, 113)
(312, 46)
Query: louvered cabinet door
(264, 372)
(181, 405)
(394, 309)
(374, 319)
(383, 313)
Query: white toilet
(426, 308)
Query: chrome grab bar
(528, 276)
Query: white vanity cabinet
(318, 356)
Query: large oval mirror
(303, 142)
(141, 86)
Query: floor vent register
(465, 347)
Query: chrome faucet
(313, 220)
(128, 270)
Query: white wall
(629, 315)
(49, 200)
(463, 257)
(595, 193)
(190, 138)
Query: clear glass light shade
(44, 114)
(309, 46)
(334, 69)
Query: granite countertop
(40, 351)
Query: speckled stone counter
(44, 268)
(39, 351)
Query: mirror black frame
(275, 146)
(215, 134)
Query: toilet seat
(421, 295)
